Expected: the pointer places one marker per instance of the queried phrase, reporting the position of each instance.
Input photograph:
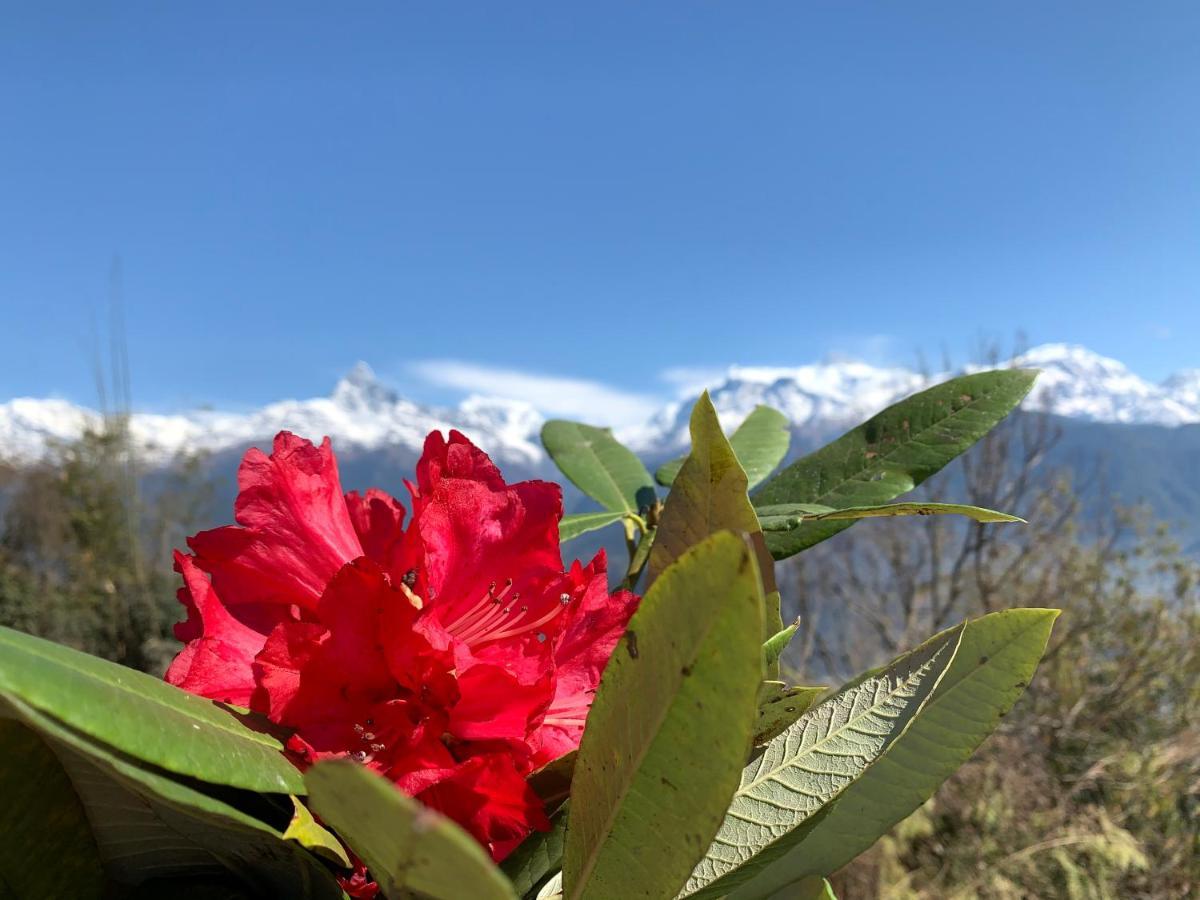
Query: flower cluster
(452, 654)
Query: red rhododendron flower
(452, 654)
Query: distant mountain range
(1146, 435)
(365, 414)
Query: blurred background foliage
(1091, 788)
(85, 546)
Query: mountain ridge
(363, 413)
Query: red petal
(488, 797)
(495, 705)
(366, 680)
(221, 646)
(296, 529)
(352, 608)
(358, 884)
(319, 672)
(593, 627)
(477, 530)
(379, 523)
(278, 668)
(420, 655)
(379, 639)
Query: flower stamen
(481, 608)
(517, 627)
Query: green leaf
(817, 758)
(147, 825)
(995, 660)
(760, 442)
(788, 516)
(47, 848)
(538, 857)
(637, 563)
(599, 465)
(812, 889)
(708, 496)
(408, 847)
(143, 716)
(892, 452)
(669, 729)
(571, 527)
(308, 833)
(774, 646)
(779, 706)
(773, 609)
(552, 782)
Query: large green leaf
(892, 452)
(760, 442)
(995, 660)
(599, 465)
(571, 527)
(817, 758)
(669, 729)
(708, 496)
(142, 716)
(46, 846)
(409, 848)
(147, 825)
(787, 516)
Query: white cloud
(688, 381)
(554, 395)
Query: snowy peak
(363, 413)
(1184, 387)
(1080, 384)
(821, 399)
(28, 426)
(819, 396)
(362, 391)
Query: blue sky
(602, 194)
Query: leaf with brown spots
(891, 453)
(669, 730)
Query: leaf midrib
(882, 458)
(992, 660)
(812, 748)
(591, 448)
(941, 691)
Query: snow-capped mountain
(364, 414)
(1184, 387)
(815, 398)
(823, 399)
(1080, 384)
